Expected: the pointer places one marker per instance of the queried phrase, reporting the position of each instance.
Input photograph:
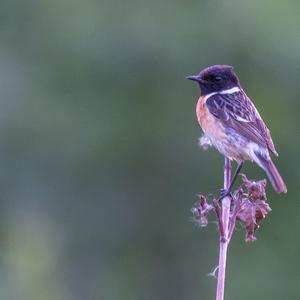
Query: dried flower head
(248, 205)
(255, 189)
(254, 207)
(201, 210)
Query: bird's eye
(218, 78)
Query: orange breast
(216, 132)
(201, 111)
(210, 125)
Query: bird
(232, 123)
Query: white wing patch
(238, 118)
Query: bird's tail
(272, 172)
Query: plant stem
(224, 237)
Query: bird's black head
(216, 78)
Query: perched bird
(232, 123)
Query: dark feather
(236, 111)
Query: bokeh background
(99, 157)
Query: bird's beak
(194, 78)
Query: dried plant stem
(247, 205)
(224, 237)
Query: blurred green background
(99, 158)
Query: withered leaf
(255, 189)
(251, 213)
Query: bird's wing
(236, 111)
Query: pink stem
(224, 238)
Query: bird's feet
(224, 193)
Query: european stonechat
(232, 123)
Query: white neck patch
(225, 92)
(230, 91)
